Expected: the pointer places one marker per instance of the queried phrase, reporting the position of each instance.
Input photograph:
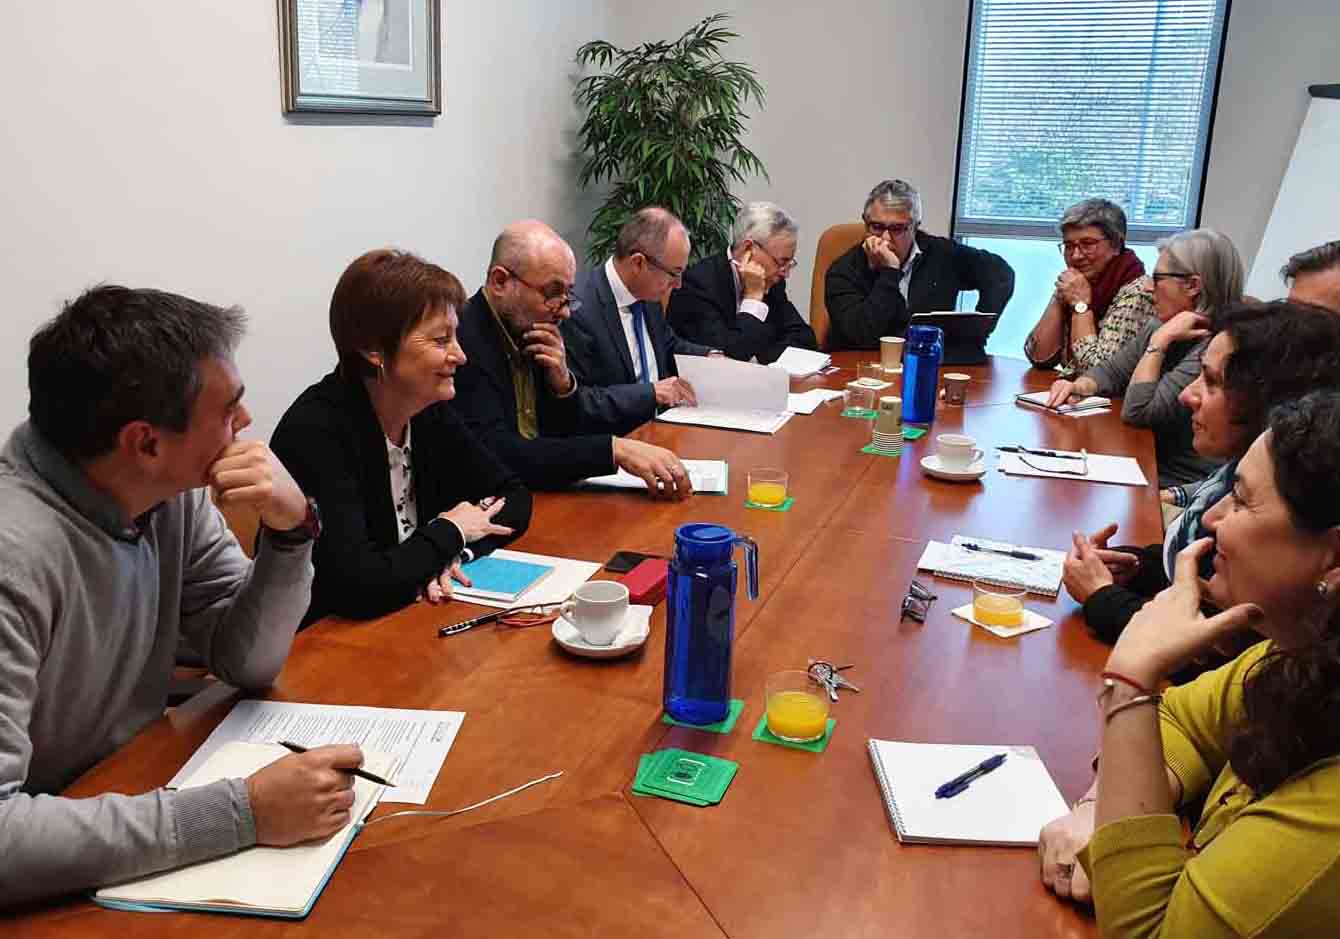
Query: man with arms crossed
(113, 553)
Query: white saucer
(932, 467)
(636, 629)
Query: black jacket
(705, 310)
(566, 449)
(864, 303)
(599, 356)
(331, 442)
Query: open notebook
(1007, 806)
(953, 560)
(260, 881)
(1038, 399)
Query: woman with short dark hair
(1249, 753)
(406, 492)
(1102, 297)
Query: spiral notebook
(1007, 806)
(956, 562)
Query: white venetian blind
(1071, 99)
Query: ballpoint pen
(963, 780)
(360, 773)
(472, 623)
(1047, 453)
(1021, 555)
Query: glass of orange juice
(768, 486)
(997, 606)
(796, 706)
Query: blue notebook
(495, 578)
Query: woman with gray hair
(1198, 273)
(1102, 298)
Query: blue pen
(962, 781)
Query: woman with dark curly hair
(1257, 742)
(1262, 355)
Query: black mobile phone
(624, 561)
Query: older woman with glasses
(1198, 273)
(1249, 754)
(407, 492)
(1102, 298)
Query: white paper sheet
(567, 576)
(1103, 468)
(808, 402)
(800, 363)
(1094, 404)
(709, 477)
(417, 741)
(738, 386)
(758, 422)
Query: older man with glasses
(516, 391)
(898, 269)
(619, 344)
(737, 301)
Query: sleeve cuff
(211, 821)
(755, 308)
(1141, 843)
(571, 391)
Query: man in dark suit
(873, 289)
(515, 390)
(737, 301)
(619, 345)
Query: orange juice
(797, 715)
(994, 610)
(767, 493)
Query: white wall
(1276, 48)
(145, 144)
(872, 88)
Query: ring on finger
(1064, 871)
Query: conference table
(801, 844)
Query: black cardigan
(705, 310)
(864, 303)
(332, 443)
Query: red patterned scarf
(1120, 271)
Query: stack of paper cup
(887, 436)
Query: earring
(1323, 588)
(381, 373)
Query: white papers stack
(808, 402)
(708, 476)
(1122, 470)
(416, 741)
(801, 363)
(566, 577)
(1094, 404)
(733, 395)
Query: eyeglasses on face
(1165, 275)
(677, 276)
(896, 229)
(555, 298)
(782, 266)
(1080, 245)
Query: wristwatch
(1153, 349)
(1081, 308)
(309, 529)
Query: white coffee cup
(891, 351)
(957, 451)
(597, 609)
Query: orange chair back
(833, 243)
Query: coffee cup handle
(567, 609)
(977, 456)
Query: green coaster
(684, 776)
(913, 433)
(723, 726)
(870, 448)
(784, 507)
(762, 733)
(864, 414)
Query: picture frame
(361, 56)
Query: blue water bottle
(700, 620)
(921, 373)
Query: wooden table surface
(801, 843)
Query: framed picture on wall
(361, 56)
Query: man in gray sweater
(111, 552)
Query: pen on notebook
(360, 773)
(1021, 555)
(963, 780)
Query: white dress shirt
(906, 279)
(624, 299)
(402, 487)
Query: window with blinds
(1070, 99)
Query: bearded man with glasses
(898, 270)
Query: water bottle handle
(750, 563)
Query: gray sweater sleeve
(1152, 403)
(241, 616)
(1113, 376)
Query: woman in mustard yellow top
(1257, 741)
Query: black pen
(360, 773)
(1021, 555)
(463, 625)
(961, 781)
(1052, 454)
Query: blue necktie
(637, 309)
